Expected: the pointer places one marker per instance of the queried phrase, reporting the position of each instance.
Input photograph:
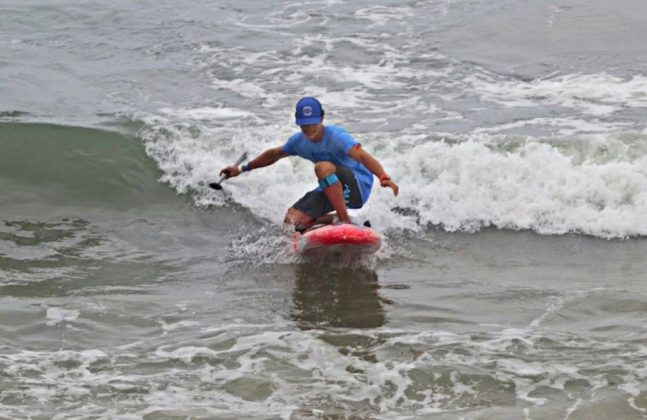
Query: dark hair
(320, 106)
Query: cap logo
(307, 110)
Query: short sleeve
(289, 146)
(345, 141)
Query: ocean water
(512, 280)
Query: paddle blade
(216, 185)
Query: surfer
(343, 168)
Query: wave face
(44, 165)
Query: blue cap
(309, 111)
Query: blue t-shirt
(333, 147)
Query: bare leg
(297, 217)
(334, 192)
(326, 219)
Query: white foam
(58, 315)
(587, 177)
(168, 327)
(592, 184)
(207, 113)
(292, 366)
(383, 15)
(185, 353)
(240, 86)
(594, 94)
(537, 186)
(562, 126)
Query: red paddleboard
(344, 238)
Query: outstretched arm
(365, 158)
(266, 158)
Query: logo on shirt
(307, 110)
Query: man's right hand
(231, 171)
(388, 182)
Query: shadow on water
(337, 297)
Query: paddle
(216, 185)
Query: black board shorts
(315, 203)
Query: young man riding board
(344, 170)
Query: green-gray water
(511, 283)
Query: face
(313, 132)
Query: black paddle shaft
(216, 185)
